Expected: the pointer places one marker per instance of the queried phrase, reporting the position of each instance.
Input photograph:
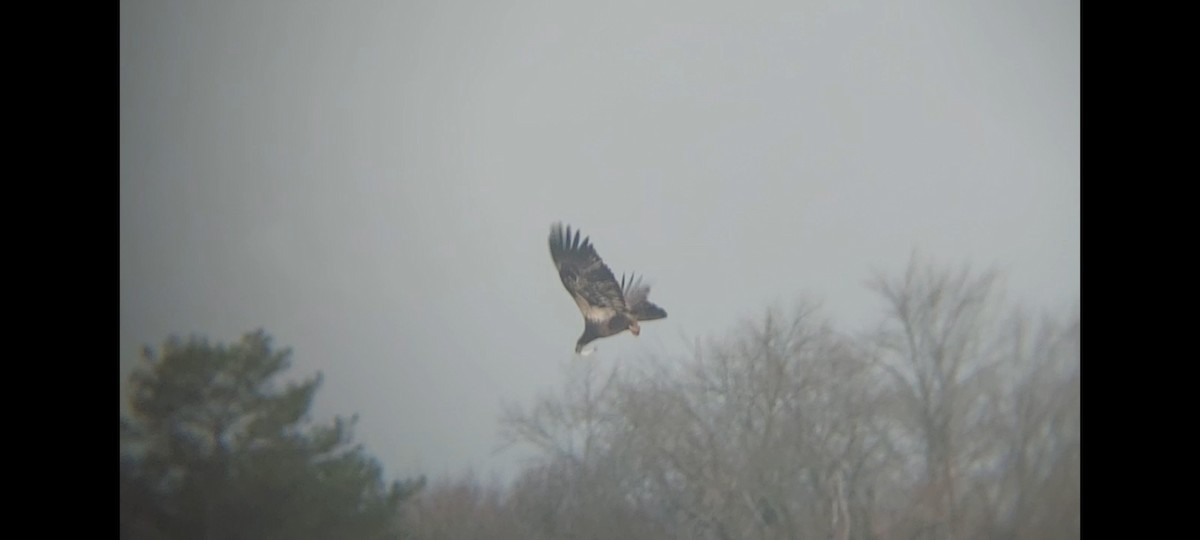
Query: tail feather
(647, 311)
(634, 290)
(636, 298)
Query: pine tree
(214, 449)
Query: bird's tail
(647, 311)
(637, 299)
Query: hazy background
(373, 182)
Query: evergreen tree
(214, 449)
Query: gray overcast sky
(373, 182)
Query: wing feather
(584, 274)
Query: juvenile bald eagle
(608, 307)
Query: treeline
(955, 417)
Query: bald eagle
(608, 307)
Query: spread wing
(636, 299)
(585, 276)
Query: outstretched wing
(636, 299)
(585, 276)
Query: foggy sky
(373, 182)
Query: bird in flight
(608, 307)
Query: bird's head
(589, 335)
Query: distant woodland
(956, 416)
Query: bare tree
(582, 484)
(936, 347)
(946, 422)
(764, 435)
(1035, 486)
(990, 408)
(462, 509)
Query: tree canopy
(216, 448)
(955, 416)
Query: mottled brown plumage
(608, 307)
